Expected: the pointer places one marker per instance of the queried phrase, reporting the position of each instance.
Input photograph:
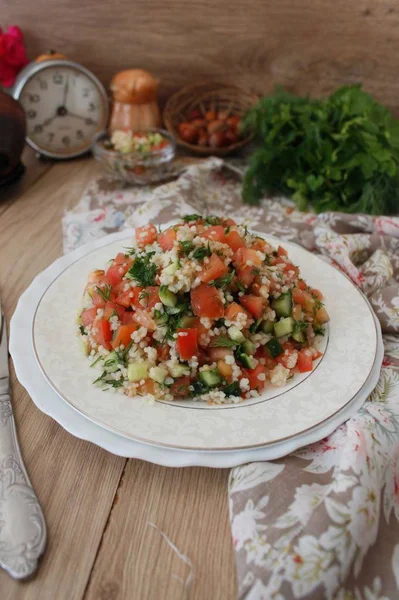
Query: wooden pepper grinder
(12, 138)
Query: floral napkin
(324, 521)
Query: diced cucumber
(111, 362)
(235, 334)
(158, 374)
(160, 318)
(84, 346)
(283, 305)
(255, 326)
(274, 347)
(179, 370)
(268, 326)
(284, 327)
(210, 378)
(167, 297)
(171, 269)
(137, 371)
(248, 347)
(186, 321)
(299, 336)
(246, 360)
(175, 310)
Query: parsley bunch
(340, 153)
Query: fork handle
(22, 525)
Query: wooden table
(98, 506)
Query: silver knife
(22, 525)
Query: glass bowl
(138, 168)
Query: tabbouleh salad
(202, 310)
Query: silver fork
(22, 525)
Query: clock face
(64, 109)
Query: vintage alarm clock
(65, 106)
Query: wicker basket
(207, 96)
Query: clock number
(34, 98)
(50, 137)
(31, 114)
(80, 134)
(86, 92)
(92, 107)
(89, 121)
(66, 140)
(42, 83)
(58, 78)
(38, 129)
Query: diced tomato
(297, 312)
(281, 251)
(316, 293)
(180, 387)
(146, 235)
(217, 353)
(290, 267)
(103, 333)
(118, 269)
(303, 298)
(247, 255)
(254, 304)
(246, 275)
(302, 285)
(125, 299)
(233, 310)
(163, 352)
(252, 376)
(225, 370)
(214, 269)
(196, 324)
(97, 299)
(123, 335)
(167, 238)
(148, 387)
(110, 308)
(127, 318)
(215, 233)
(160, 145)
(260, 244)
(230, 222)
(187, 343)
(206, 302)
(96, 276)
(234, 240)
(316, 354)
(88, 316)
(305, 360)
(143, 318)
(286, 358)
(145, 297)
(322, 315)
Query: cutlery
(22, 525)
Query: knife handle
(22, 525)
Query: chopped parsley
(223, 281)
(186, 247)
(189, 218)
(300, 326)
(233, 389)
(130, 251)
(82, 330)
(222, 342)
(318, 329)
(240, 286)
(255, 326)
(105, 292)
(201, 252)
(213, 220)
(143, 270)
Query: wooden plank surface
(310, 46)
(100, 543)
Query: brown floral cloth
(323, 522)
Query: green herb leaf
(212, 220)
(186, 247)
(233, 389)
(193, 217)
(201, 252)
(222, 342)
(223, 281)
(105, 292)
(143, 270)
(82, 330)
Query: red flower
(12, 55)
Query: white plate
(51, 404)
(278, 415)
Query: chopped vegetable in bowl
(203, 309)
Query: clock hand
(71, 114)
(66, 88)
